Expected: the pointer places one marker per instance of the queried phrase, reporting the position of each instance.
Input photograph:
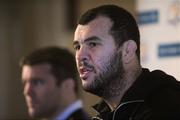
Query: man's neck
(114, 101)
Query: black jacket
(153, 96)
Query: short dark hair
(62, 62)
(124, 25)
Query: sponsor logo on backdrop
(148, 17)
(174, 12)
(169, 50)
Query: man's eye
(76, 47)
(92, 44)
(38, 82)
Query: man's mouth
(84, 72)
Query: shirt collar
(69, 110)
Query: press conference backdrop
(159, 23)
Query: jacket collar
(103, 110)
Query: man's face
(97, 58)
(40, 90)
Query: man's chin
(88, 88)
(93, 89)
(32, 113)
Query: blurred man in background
(107, 44)
(51, 86)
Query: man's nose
(82, 54)
(28, 89)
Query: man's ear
(129, 51)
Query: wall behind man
(159, 25)
(29, 24)
(11, 102)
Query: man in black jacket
(107, 44)
(50, 85)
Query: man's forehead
(98, 25)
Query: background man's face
(40, 90)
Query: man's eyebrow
(93, 38)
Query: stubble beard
(109, 82)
